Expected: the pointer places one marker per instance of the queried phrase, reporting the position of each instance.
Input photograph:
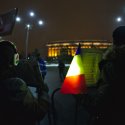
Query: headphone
(5, 44)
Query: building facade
(56, 47)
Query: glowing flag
(74, 82)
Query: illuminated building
(55, 47)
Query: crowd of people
(18, 105)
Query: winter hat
(119, 36)
(7, 52)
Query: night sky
(65, 20)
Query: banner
(7, 22)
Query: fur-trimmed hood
(114, 53)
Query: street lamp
(18, 19)
(32, 14)
(40, 22)
(118, 19)
(28, 28)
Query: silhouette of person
(42, 65)
(108, 102)
(61, 67)
(18, 105)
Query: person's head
(38, 56)
(119, 36)
(8, 54)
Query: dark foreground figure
(18, 106)
(107, 106)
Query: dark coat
(110, 94)
(17, 104)
(43, 67)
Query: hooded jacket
(109, 99)
(18, 106)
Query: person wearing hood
(108, 102)
(18, 105)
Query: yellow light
(75, 68)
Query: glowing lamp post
(32, 14)
(18, 19)
(118, 19)
(28, 28)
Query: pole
(76, 112)
(27, 38)
(53, 106)
(78, 102)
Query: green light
(76, 67)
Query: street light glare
(32, 14)
(119, 19)
(28, 25)
(18, 19)
(40, 22)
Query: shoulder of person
(15, 84)
(108, 54)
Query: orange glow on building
(55, 47)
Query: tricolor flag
(7, 21)
(74, 82)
